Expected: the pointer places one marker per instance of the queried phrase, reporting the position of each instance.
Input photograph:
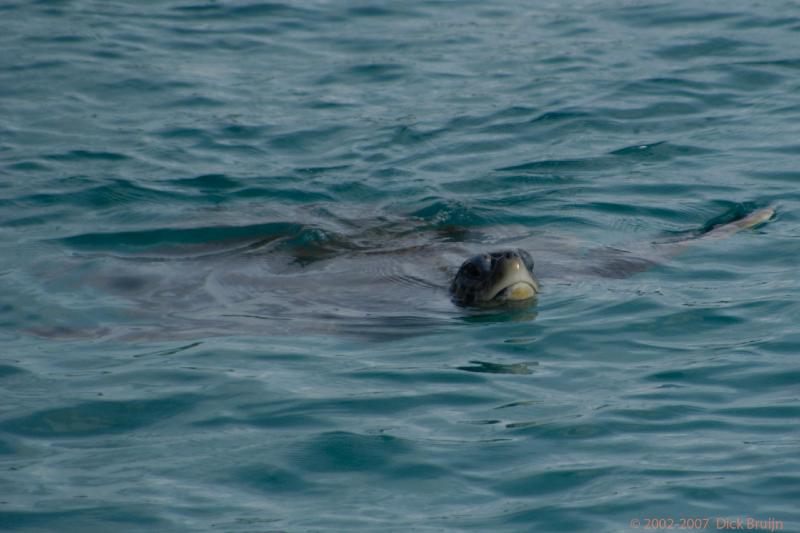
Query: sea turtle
(377, 276)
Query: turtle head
(495, 278)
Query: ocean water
(227, 228)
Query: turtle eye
(472, 270)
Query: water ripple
(96, 418)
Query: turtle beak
(514, 281)
(518, 291)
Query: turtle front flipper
(618, 263)
(756, 218)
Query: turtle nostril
(509, 255)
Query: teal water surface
(226, 231)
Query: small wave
(657, 151)
(377, 72)
(591, 164)
(28, 166)
(498, 368)
(661, 151)
(441, 213)
(666, 15)
(208, 182)
(247, 11)
(88, 155)
(114, 194)
(306, 139)
(96, 418)
(194, 101)
(366, 73)
(717, 46)
(121, 240)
